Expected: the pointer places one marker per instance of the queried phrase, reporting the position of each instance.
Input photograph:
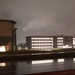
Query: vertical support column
(12, 40)
(55, 42)
(15, 39)
(14, 46)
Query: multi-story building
(49, 42)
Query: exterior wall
(5, 28)
(68, 40)
(28, 42)
(55, 42)
(9, 46)
(41, 42)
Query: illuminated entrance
(2, 49)
(67, 46)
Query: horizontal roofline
(52, 36)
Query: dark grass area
(23, 51)
(36, 55)
(15, 57)
(64, 72)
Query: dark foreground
(36, 55)
(65, 72)
(20, 63)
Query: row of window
(42, 38)
(43, 44)
(41, 41)
(48, 47)
(49, 38)
(58, 40)
(44, 47)
(48, 41)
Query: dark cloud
(40, 17)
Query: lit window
(32, 47)
(41, 38)
(59, 43)
(59, 40)
(32, 38)
(60, 46)
(59, 37)
(51, 38)
(32, 44)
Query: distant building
(50, 42)
(7, 35)
(21, 46)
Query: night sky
(40, 17)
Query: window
(59, 43)
(59, 37)
(60, 46)
(59, 40)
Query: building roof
(51, 36)
(8, 20)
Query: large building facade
(50, 42)
(7, 35)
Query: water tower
(7, 35)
